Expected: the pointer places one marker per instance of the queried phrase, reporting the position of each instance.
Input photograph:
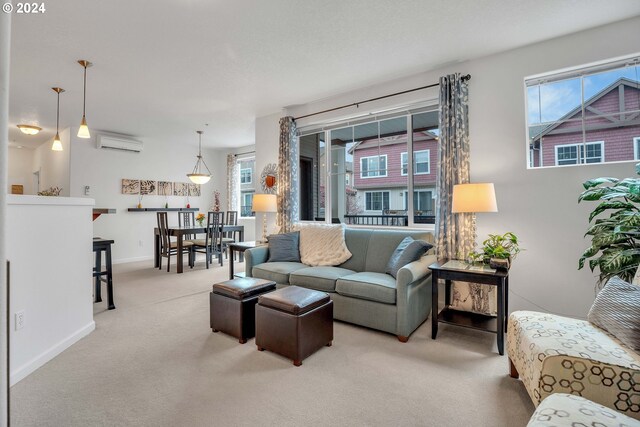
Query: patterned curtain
(288, 206)
(455, 232)
(233, 183)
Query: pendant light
(57, 144)
(83, 132)
(197, 177)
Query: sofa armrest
(253, 257)
(414, 271)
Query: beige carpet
(154, 362)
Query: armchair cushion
(617, 310)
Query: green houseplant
(614, 227)
(498, 246)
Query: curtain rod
(242, 154)
(357, 104)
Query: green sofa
(361, 291)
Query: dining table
(180, 232)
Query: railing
(388, 220)
(246, 211)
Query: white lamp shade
(57, 144)
(474, 198)
(265, 203)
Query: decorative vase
(139, 206)
(188, 205)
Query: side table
(497, 278)
(239, 247)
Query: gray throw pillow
(284, 247)
(617, 310)
(408, 250)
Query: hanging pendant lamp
(83, 132)
(57, 144)
(197, 176)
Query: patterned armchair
(554, 354)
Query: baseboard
(26, 369)
(134, 259)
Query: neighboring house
(611, 130)
(381, 172)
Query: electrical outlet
(87, 190)
(19, 320)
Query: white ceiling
(164, 68)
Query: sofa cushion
(318, 278)
(322, 244)
(371, 286)
(357, 240)
(382, 244)
(284, 247)
(276, 271)
(617, 310)
(408, 250)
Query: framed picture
(165, 188)
(194, 189)
(180, 189)
(130, 186)
(148, 187)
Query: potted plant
(614, 227)
(498, 250)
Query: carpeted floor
(154, 362)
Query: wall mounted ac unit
(119, 143)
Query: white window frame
(404, 159)
(584, 70)
(579, 152)
(406, 195)
(250, 175)
(386, 166)
(382, 201)
(636, 148)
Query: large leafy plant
(614, 227)
(502, 246)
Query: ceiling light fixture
(197, 177)
(29, 129)
(83, 132)
(57, 144)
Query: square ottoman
(232, 306)
(294, 322)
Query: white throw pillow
(636, 278)
(322, 244)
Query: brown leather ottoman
(294, 322)
(232, 306)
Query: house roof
(537, 131)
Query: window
(591, 152)
(246, 204)
(247, 186)
(374, 166)
(357, 177)
(566, 111)
(636, 148)
(422, 202)
(245, 176)
(420, 162)
(376, 200)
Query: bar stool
(103, 245)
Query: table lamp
(265, 203)
(474, 198)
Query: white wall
(20, 169)
(50, 280)
(538, 205)
(103, 170)
(267, 138)
(53, 165)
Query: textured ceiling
(164, 68)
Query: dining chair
(187, 219)
(167, 247)
(230, 236)
(212, 244)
